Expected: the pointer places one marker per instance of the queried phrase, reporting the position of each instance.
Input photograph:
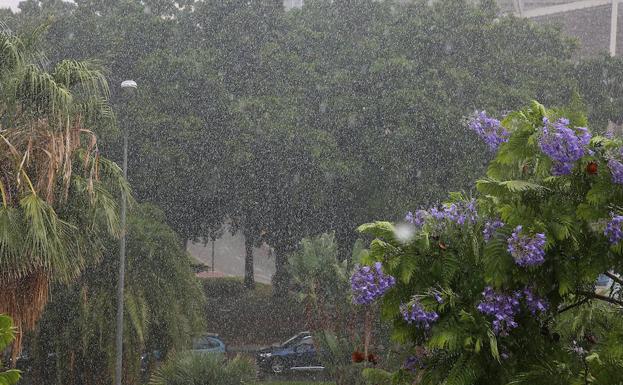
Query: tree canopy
(500, 288)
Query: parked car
(209, 343)
(298, 354)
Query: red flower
(372, 358)
(357, 356)
(591, 168)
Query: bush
(500, 289)
(204, 369)
(250, 317)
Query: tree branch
(600, 297)
(614, 277)
(575, 304)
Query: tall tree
(164, 309)
(58, 193)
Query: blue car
(298, 354)
(209, 343)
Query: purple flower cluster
(415, 313)
(412, 364)
(490, 228)
(563, 145)
(534, 303)
(502, 307)
(616, 169)
(613, 229)
(369, 283)
(505, 307)
(458, 212)
(417, 219)
(526, 250)
(489, 129)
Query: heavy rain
(311, 192)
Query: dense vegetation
(500, 288)
(294, 123)
(57, 190)
(316, 119)
(58, 228)
(250, 318)
(163, 309)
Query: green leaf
(7, 332)
(444, 339)
(10, 377)
(493, 344)
(379, 229)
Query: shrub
(250, 317)
(204, 369)
(500, 289)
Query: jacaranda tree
(499, 288)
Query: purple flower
(409, 217)
(526, 250)
(502, 307)
(415, 313)
(490, 229)
(418, 219)
(489, 129)
(534, 303)
(616, 168)
(438, 298)
(412, 364)
(369, 283)
(563, 145)
(559, 169)
(458, 212)
(613, 229)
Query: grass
(295, 383)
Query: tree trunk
(213, 241)
(249, 278)
(345, 240)
(281, 279)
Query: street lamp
(128, 87)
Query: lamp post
(128, 87)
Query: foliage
(250, 317)
(321, 281)
(204, 369)
(57, 191)
(336, 358)
(7, 334)
(450, 269)
(164, 308)
(312, 120)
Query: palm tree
(57, 193)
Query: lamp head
(128, 86)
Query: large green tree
(353, 97)
(58, 192)
(164, 306)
